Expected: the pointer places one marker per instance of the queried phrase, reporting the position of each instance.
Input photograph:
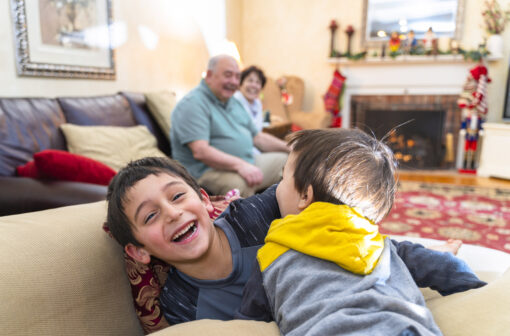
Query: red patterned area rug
(476, 215)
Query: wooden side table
(279, 130)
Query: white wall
(291, 37)
(177, 62)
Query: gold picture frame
(65, 39)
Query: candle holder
(349, 32)
(333, 27)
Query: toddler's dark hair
(345, 166)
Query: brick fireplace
(381, 94)
(429, 129)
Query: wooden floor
(451, 177)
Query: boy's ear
(206, 200)
(306, 198)
(137, 253)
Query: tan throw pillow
(160, 105)
(113, 146)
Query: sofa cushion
(65, 166)
(113, 146)
(222, 328)
(161, 105)
(28, 170)
(143, 117)
(113, 110)
(27, 126)
(481, 311)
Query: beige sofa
(62, 275)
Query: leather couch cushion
(113, 110)
(140, 111)
(113, 146)
(27, 126)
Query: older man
(213, 137)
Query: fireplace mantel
(400, 60)
(430, 76)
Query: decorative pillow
(113, 146)
(28, 170)
(64, 166)
(146, 280)
(160, 105)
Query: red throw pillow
(28, 170)
(147, 280)
(65, 166)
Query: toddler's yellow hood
(337, 233)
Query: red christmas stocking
(332, 98)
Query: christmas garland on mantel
(474, 55)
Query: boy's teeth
(183, 231)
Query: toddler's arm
(441, 271)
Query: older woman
(252, 82)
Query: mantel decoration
(333, 98)
(333, 27)
(473, 104)
(63, 38)
(349, 31)
(495, 20)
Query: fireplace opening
(417, 142)
(425, 128)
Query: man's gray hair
(211, 65)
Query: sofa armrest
(64, 275)
(20, 194)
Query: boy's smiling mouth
(186, 233)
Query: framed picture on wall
(381, 17)
(62, 38)
(506, 111)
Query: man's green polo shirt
(200, 115)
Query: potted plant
(495, 20)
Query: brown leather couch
(30, 125)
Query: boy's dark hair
(345, 166)
(120, 226)
(246, 72)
